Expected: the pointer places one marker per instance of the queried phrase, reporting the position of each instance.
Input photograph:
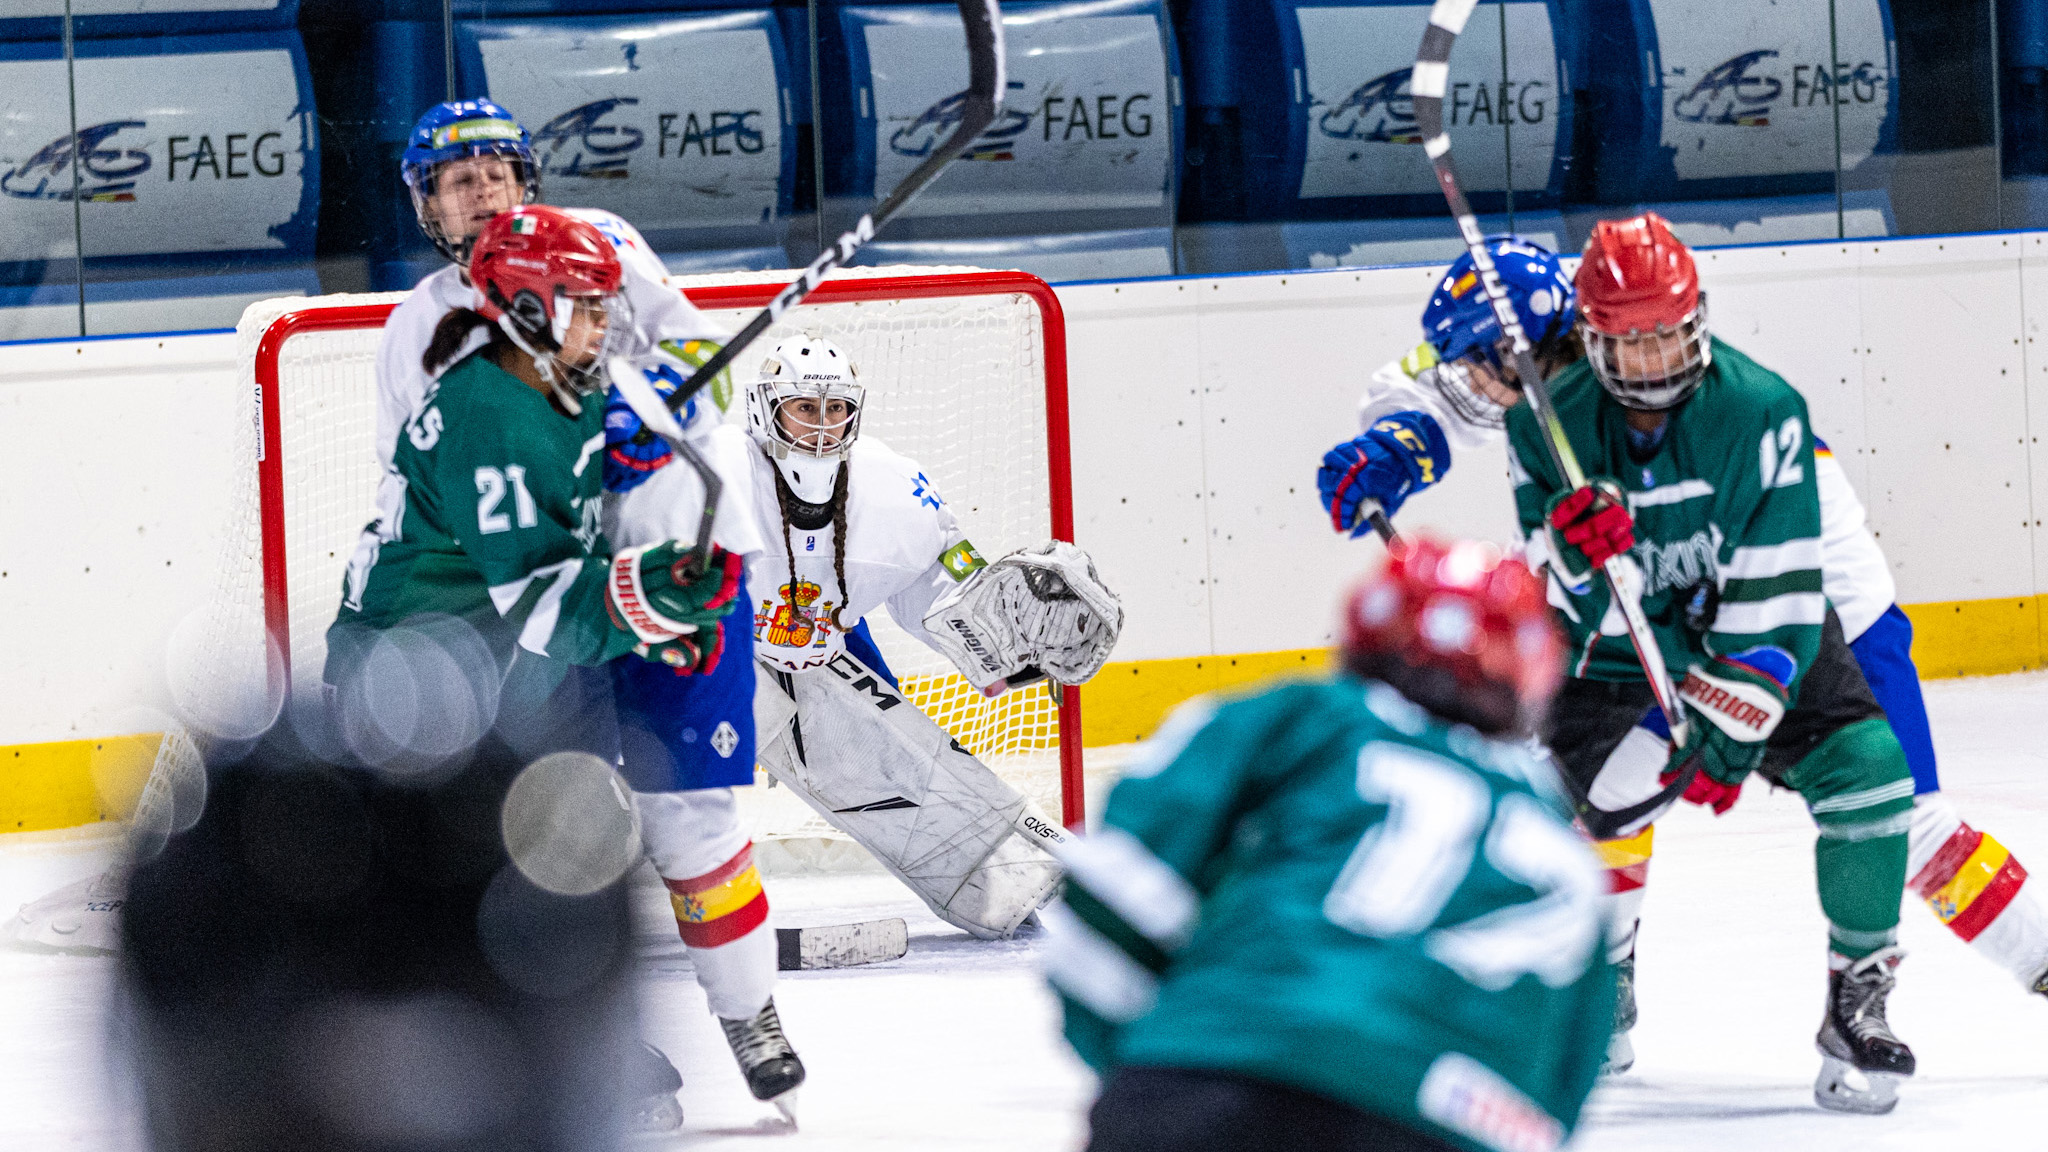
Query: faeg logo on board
(105, 175)
(108, 174)
(580, 143)
(1740, 92)
(936, 123)
(1382, 110)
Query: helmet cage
(421, 180)
(1453, 381)
(770, 397)
(540, 331)
(1683, 348)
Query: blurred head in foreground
(1459, 629)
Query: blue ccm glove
(1400, 455)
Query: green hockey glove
(653, 595)
(1734, 703)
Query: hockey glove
(1398, 456)
(653, 595)
(1734, 703)
(1588, 526)
(691, 654)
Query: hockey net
(965, 372)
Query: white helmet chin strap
(810, 478)
(544, 363)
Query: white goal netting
(956, 381)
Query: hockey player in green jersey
(1704, 482)
(1348, 913)
(499, 528)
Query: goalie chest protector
(904, 548)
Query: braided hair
(835, 513)
(453, 331)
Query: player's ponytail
(451, 334)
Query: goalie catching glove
(1042, 608)
(1735, 704)
(653, 594)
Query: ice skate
(1621, 1053)
(2040, 985)
(652, 1083)
(770, 1065)
(1855, 1042)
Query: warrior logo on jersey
(794, 623)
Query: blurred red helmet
(1642, 314)
(1460, 630)
(528, 267)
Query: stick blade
(841, 945)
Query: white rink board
(1200, 408)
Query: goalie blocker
(874, 766)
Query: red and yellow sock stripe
(722, 905)
(1627, 860)
(1969, 881)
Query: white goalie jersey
(904, 549)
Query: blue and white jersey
(904, 549)
(660, 312)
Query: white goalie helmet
(804, 410)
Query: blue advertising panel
(1088, 134)
(681, 124)
(186, 146)
(1740, 98)
(44, 19)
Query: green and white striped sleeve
(1771, 568)
(1130, 904)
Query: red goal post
(862, 287)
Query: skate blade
(1836, 1090)
(786, 1104)
(1621, 1055)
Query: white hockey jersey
(660, 312)
(904, 548)
(1854, 573)
(668, 504)
(1408, 385)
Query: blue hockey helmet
(1459, 322)
(457, 130)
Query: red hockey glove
(1704, 790)
(1589, 526)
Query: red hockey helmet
(1460, 630)
(532, 268)
(1642, 314)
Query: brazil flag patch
(696, 353)
(962, 560)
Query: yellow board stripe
(1970, 880)
(66, 783)
(719, 899)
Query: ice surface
(954, 1046)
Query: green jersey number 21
(1440, 817)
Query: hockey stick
(983, 21)
(1377, 517)
(1427, 85)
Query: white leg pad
(875, 767)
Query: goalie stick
(1427, 84)
(983, 21)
